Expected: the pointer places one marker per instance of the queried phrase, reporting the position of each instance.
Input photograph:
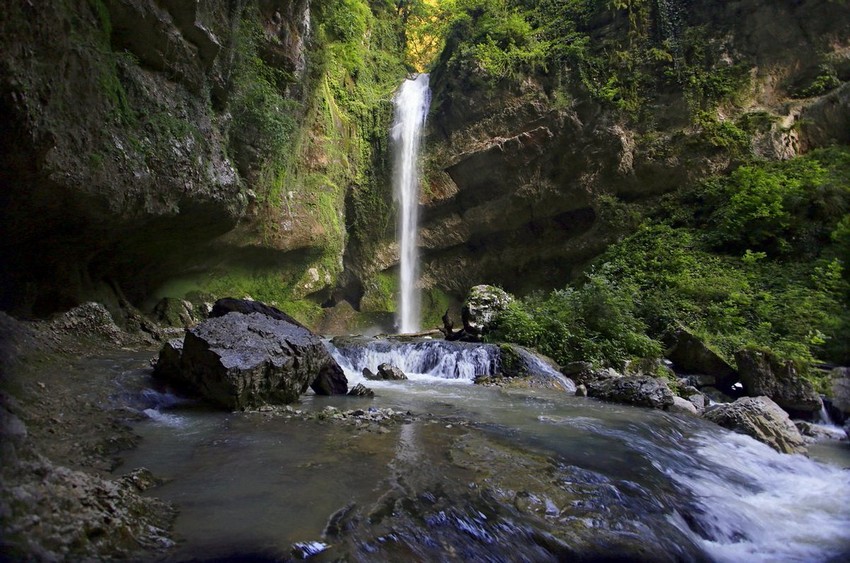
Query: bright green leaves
(346, 20)
(787, 208)
(596, 322)
(497, 37)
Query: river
(462, 472)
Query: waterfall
(411, 109)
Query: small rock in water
(361, 390)
(581, 391)
(390, 372)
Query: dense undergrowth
(758, 258)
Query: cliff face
(116, 152)
(153, 147)
(145, 141)
(533, 173)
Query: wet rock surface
(840, 383)
(61, 432)
(691, 355)
(467, 496)
(389, 372)
(762, 419)
(640, 391)
(56, 513)
(240, 361)
(246, 307)
(763, 374)
(361, 390)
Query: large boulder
(642, 391)
(764, 374)
(243, 361)
(482, 306)
(841, 391)
(762, 419)
(246, 307)
(691, 355)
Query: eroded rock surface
(764, 374)
(691, 355)
(762, 419)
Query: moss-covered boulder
(482, 306)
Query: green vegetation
(758, 258)
(381, 293)
(597, 323)
(361, 66)
(659, 55)
(272, 286)
(314, 146)
(263, 118)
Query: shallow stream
(467, 473)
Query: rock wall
(150, 147)
(146, 141)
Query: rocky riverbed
(64, 425)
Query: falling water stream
(411, 109)
(469, 473)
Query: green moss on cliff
(313, 147)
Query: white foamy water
(435, 360)
(411, 109)
(756, 504)
(166, 419)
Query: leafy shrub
(782, 208)
(595, 322)
(496, 36)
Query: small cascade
(435, 358)
(535, 365)
(823, 416)
(411, 109)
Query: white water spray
(411, 109)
